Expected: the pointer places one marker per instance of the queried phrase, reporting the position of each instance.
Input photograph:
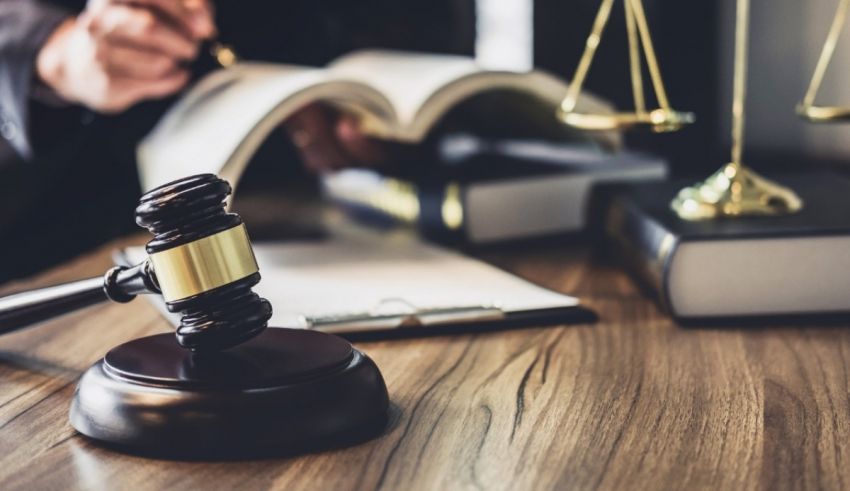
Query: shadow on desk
(338, 442)
(559, 317)
(36, 365)
(770, 322)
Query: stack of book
(746, 267)
(484, 191)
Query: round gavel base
(284, 391)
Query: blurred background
(43, 203)
(694, 42)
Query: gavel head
(203, 263)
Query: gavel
(200, 260)
(226, 386)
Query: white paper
(391, 275)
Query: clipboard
(380, 287)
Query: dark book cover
(644, 232)
(434, 194)
(826, 210)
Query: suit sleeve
(24, 27)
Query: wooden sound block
(284, 391)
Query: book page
(221, 121)
(407, 79)
(422, 87)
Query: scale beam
(662, 119)
(807, 108)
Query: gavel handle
(119, 284)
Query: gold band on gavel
(204, 264)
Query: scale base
(734, 191)
(283, 392)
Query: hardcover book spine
(645, 246)
(443, 212)
(436, 211)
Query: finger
(196, 21)
(120, 93)
(142, 29)
(311, 132)
(322, 155)
(203, 13)
(124, 61)
(159, 88)
(362, 149)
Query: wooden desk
(630, 402)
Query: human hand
(117, 53)
(328, 141)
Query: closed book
(797, 264)
(491, 196)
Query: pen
(213, 55)
(426, 317)
(224, 54)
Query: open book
(221, 121)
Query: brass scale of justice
(734, 190)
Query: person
(82, 82)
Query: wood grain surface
(631, 402)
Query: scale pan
(824, 114)
(658, 121)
